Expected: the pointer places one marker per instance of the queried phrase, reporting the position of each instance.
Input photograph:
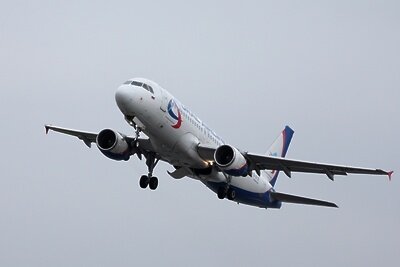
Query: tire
(231, 194)
(153, 183)
(144, 181)
(221, 192)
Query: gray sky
(329, 69)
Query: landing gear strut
(151, 161)
(150, 180)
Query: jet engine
(113, 145)
(231, 161)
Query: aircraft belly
(257, 199)
(178, 150)
(184, 152)
(252, 184)
(253, 191)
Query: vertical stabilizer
(278, 149)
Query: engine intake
(231, 161)
(113, 145)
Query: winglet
(390, 175)
(47, 127)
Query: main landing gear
(226, 192)
(151, 161)
(149, 180)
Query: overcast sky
(329, 69)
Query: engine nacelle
(231, 161)
(113, 145)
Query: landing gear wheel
(231, 194)
(151, 162)
(144, 181)
(153, 183)
(221, 192)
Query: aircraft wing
(89, 137)
(289, 165)
(264, 162)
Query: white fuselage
(175, 133)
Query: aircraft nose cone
(124, 98)
(120, 94)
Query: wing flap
(301, 200)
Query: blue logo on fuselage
(175, 114)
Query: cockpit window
(127, 82)
(137, 83)
(148, 88)
(145, 86)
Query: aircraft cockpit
(140, 84)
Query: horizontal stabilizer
(300, 200)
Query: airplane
(177, 136)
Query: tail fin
(278, 149)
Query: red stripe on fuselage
(179, 123)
